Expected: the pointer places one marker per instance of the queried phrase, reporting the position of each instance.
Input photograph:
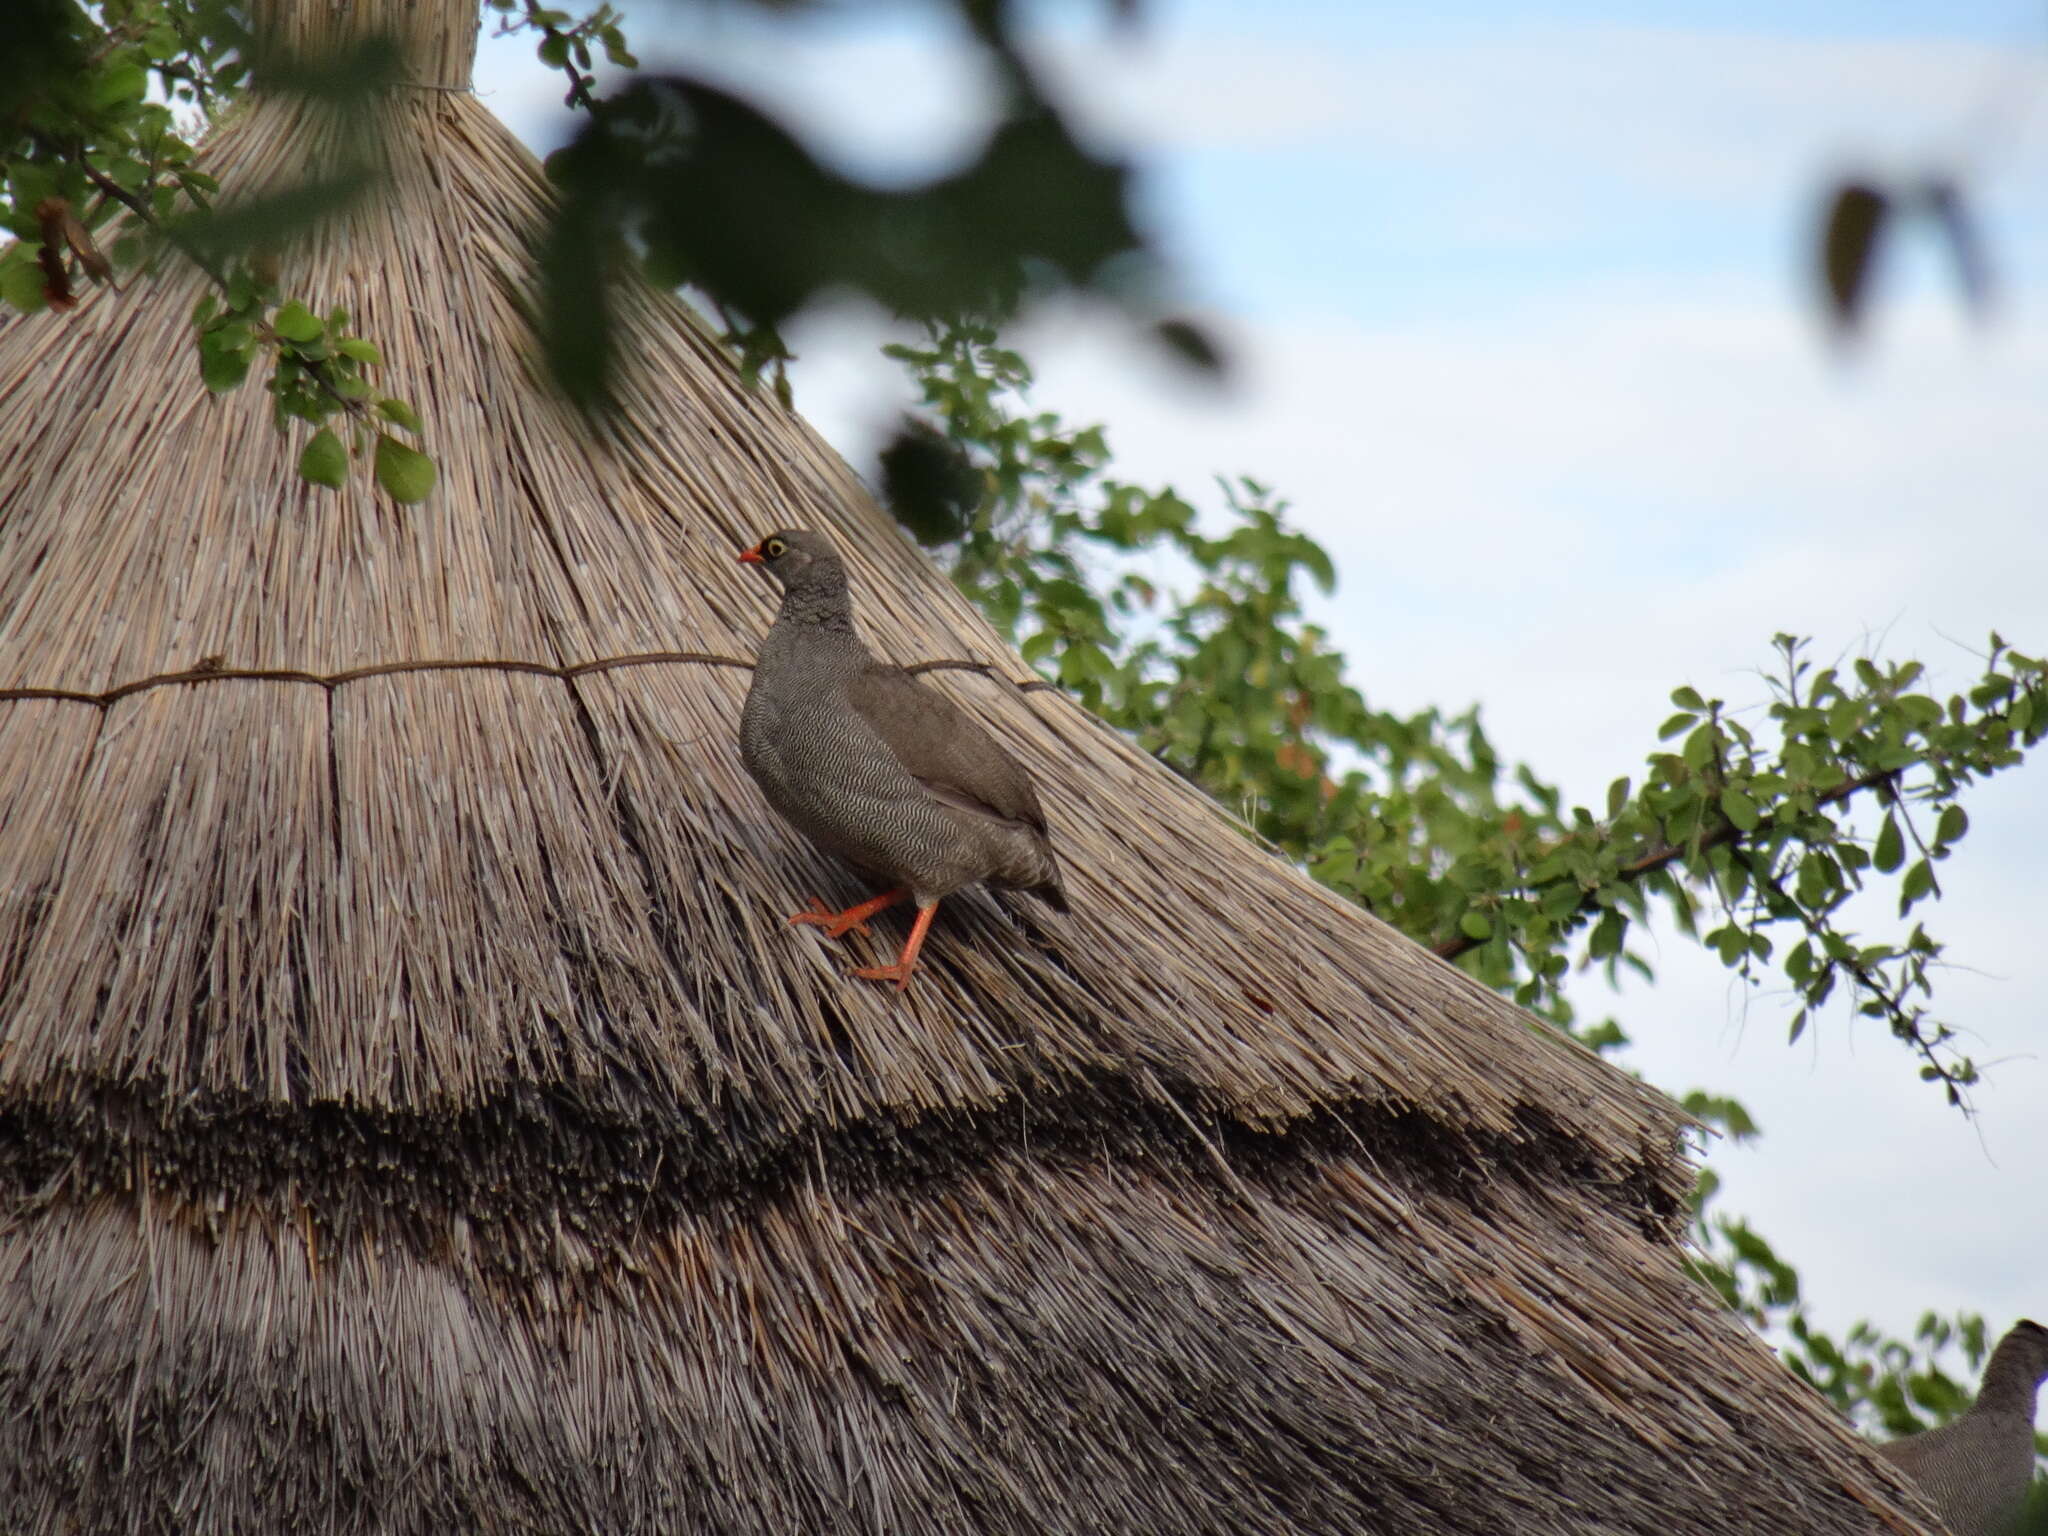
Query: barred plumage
(873, 765)
(1977, 1469)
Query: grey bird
(871, 764)
(1976, 1470)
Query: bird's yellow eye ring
(774, 549)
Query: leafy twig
(1723, 834)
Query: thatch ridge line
(333, 680)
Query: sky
(1522, 331)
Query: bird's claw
(818, 915)
(898, 973)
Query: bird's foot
(853, 920)
(907, 961)
(898, 973)
(836, 924)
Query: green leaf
(1474, 925)
(406, 474)
(1317, 559)
(1918, 882)
(123, 81)
(396, 410)
(1617, 797)
(1953, 824)
(21, 282)
(1890, 851)
(1729, 942)
(224, 362)
(1673, 726)
(325, 461)
(1687, 698)
(1740, 810)
(362, 351)
(1607, 936)
(295, 322)
(1084, 662)
(1701, 745)
(1338, 864)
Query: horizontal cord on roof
(211, 671)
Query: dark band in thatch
(415, 1114)
(1058, 1342)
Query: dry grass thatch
(415, 1115)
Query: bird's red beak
(751, 556)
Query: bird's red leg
(907, 961)
(853, 919)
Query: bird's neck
(820, 599)
(2011, 1381)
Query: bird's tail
(1051, 890)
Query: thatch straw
(415, 1114)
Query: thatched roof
(416, 1116)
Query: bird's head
(2028, 1343)
(789, 553)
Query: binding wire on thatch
(415, 1114)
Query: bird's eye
(774, 549)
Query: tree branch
(1727, 833)
(1905, 1024)
(315, 368)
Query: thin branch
(115, 190)
(316, 369)
(1904, 1022)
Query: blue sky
(1526, 336)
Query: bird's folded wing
(939, 744)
